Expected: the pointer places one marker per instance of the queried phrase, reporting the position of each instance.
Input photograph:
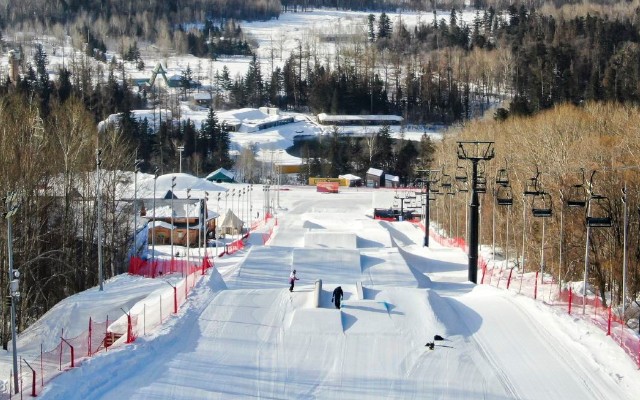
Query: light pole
(12, 208)
(136, 169)
(153, 235)
(180, 150)
(205, 225)
(99, 210)
(173, 186)
(624, 251)
(475, 152)
(188, 232)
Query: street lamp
(136, 169)
(153, 235)
(99, 210)
(475, 152)
(624, 252)
(428, 177)
(173, 186)
(187, 214)
(180, 150)
(12, 205)
(205, 225)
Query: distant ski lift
(578, 193)
(599, 212)
(445, 181)
(461, 174)
(542, 205)
(502, 177)
(531, 187)
(481, 184)
(462, 186)
(577, 196)
(504, 196)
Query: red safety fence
(546, 288)
(158, 267)
(101, 336)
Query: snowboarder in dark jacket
(292, 280)
(337, 296)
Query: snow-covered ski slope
(243, 335)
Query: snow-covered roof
(358, 118)
(350, 177)
(183, 182)
(222, 171)
(375, 171)
(391, 178)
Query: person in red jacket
(292, 280)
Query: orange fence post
(535, 287)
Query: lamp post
(153, 235)
(99, 210)
(180, 150)
(136, 169)
(205, 225)
(624, 251)
(475, 152)
(12, 208)
(173, 186)
(187, 215)
(217, 230)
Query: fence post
(609, 322)
(129, 329)
(72, 353)
(175, 300)
(106, 332)
(89, 340)
(509, 279)
(535, 287)
(33, 378)
(570, 299)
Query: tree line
(560, 143)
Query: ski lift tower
(427, 178)
(475, 152)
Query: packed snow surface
(243, 334)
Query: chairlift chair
(502, 177)
(577, 196)
(462, 186)
(504, 196)
(445, 181)
(481, 184)
(542, 205)
(599, 212)
(461, 174)
(531, 187)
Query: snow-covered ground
(242, 334)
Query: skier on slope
(337, 296)
(292, 280)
